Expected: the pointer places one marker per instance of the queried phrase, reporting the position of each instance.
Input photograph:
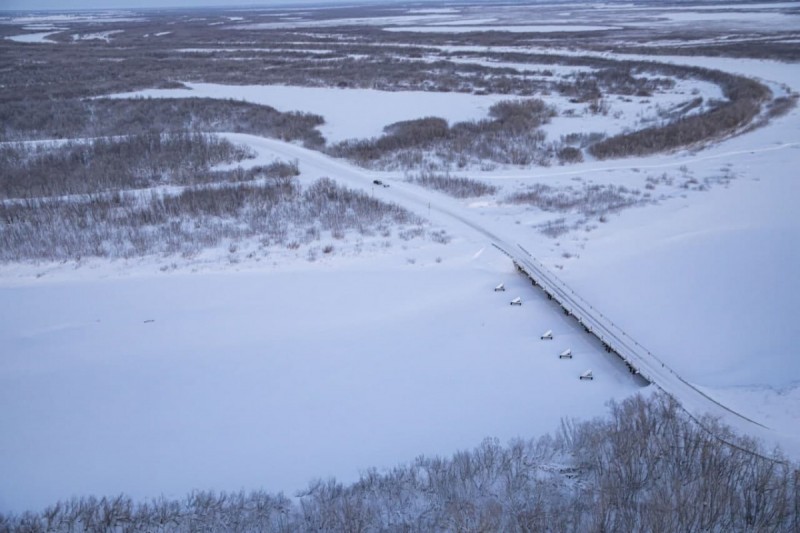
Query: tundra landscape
(400, 266)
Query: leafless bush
(278, 169)
(582, 140)
(457, 187)
(411, 233)
(570, 154)
(615, 79)
(681, 109)
(554, 228)
(411, 133)
(782, 105)
(404, 135)
(520, 115)
(589, 200)
(439, 236)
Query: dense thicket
(133, 224)
(130, 162)
(645, 467)
(26, 119)
(511, 135)
(455, 186)
(616, 79)
(745, 98)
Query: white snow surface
(121, 377)
(39, 37)
(97, 36)
(348, 113)
(158, 384)
(115, 15)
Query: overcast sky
(61, 5)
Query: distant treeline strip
(64, 119)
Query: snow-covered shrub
(589, 200)
(569, 154)
(133, 224)
(455, 186)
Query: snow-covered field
(710, 277)
(158, 383)
(38, 37)
(348, 113)
(363, 113)
(213, 374)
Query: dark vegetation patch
(454, 186)
(589, 200)
(130, 162)
(511, 135)
(745, 98)
(132, 224)
(25, 119)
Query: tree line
(744, 101)
(27, 119)
(646, 466)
